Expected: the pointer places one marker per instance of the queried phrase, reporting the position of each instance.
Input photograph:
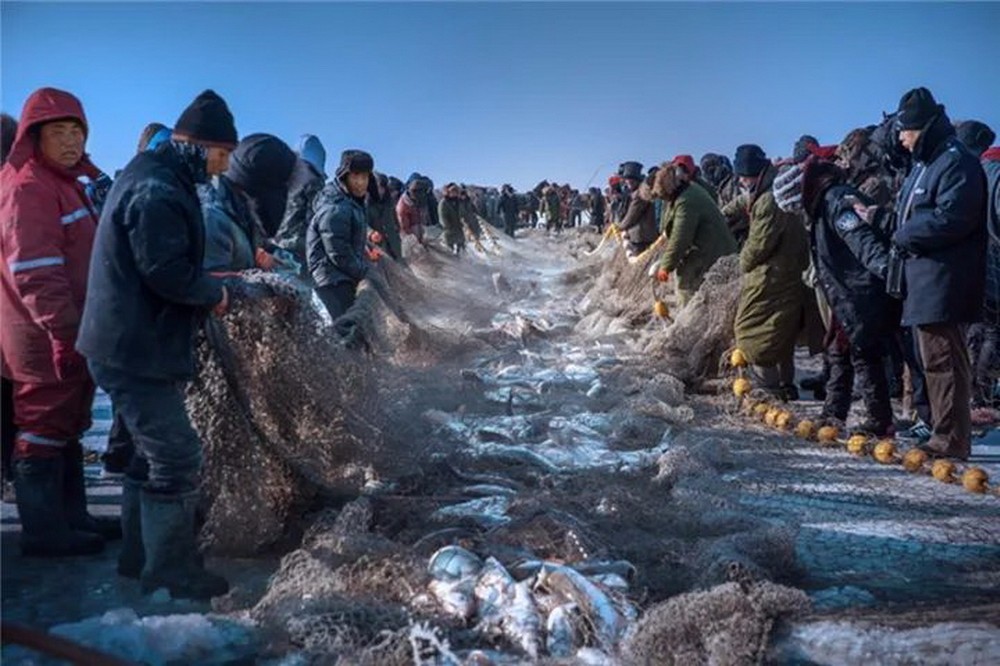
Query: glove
(662, 275)
(375, 238)
(263, 260)
(68, 363)
(373, 254)
(222, 306)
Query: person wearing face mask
(47, 227)
(718, 172)
(244, 206)
(147, 297)
(772, 299)
(335, 240)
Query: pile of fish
(540, 608)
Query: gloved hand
(222, 306)
(263, 260)
(662, 275)
(373, 254)
(375, 238)
(69, 364)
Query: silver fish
(598, 609)
(453, 563)
(562, 636)
(456, 598)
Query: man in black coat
(941, 234)
(146, 298)
(851, 259)
(508, 209)
(335, 240)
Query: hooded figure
(338, 232)
(47, 227)
(411, 209)
(308, 178)
(717, 171)
(598, 206)
(771, 309)
(147, 298)
(851, 260)
(245, 205)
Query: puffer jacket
(232, 236)
(148, 291)
(47, 228)
(335, 240)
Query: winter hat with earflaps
(355, 161)
(208, 121)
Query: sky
(488, 93)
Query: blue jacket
(335, 239)
(941, 214)
(147, 293)
(231, 233)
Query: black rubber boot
(171, 550)
(75, 498)
(132, 557)
(45, 530)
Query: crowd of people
(881, 251)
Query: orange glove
(222, 306)
(375, 238)
(662, 275)
(374, 254)
(264, 261)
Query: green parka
(450, 214)
(771, 309)
(697, 235)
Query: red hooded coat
(47, 227)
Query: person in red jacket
(47, 227)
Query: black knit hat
(207, 120)
(976, 136)
(916, 109)
(355, 161)
(750, 160)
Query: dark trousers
(510, 225)
(848, 361)
(9, 431)
(168, 450)
(918, 398)
(984, 345)
(338, 298)
(121, 448)
(949, 386)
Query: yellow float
(914, 459)
(885, 452)
(741, 387)
(943, 471)
(974, 480)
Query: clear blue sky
(496, 92)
